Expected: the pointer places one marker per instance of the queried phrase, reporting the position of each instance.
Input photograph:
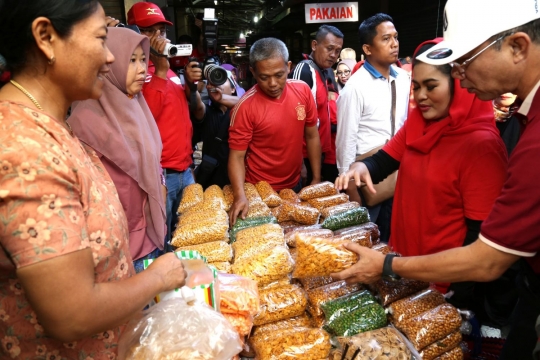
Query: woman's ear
(45, 36)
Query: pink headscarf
(124, 130)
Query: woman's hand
(171, 271)
(359, 173)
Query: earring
(52, 60)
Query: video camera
(212, 72)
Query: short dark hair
(368, 28)
(531, 28)
(267, 48)
(327, 29)
(16, 17)
(446, 69)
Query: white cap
(469, 23)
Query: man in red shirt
(502, 55)
(267, 127)
(168, 102)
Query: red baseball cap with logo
(146, 14)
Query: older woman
(67, 284)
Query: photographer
(211, 123)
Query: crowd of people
(94, 159)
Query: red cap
(146, 14)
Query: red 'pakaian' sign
(331, 12)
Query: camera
(177, 50)
(212, 72)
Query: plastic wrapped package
(431, 326)
(252, 195)
(317, 320)
(265, 267)
(298, 321)
(365, 318)
(290, 238)
(325, 188)
(289, 225)
(278, 283)
(454, 354)
(306, 215)
(222, 266)
(384, 343)
(292, 251)
(414, 305)
(242, 323)
(328, 201)
(214, 195)
(283, 212)
(213, 251)
(439, 347)
(301, 227)
(369, 226)
(191, 217)
(242, 224)
(228, 195)
(346, 304)
(321, 257)
(382, 248)
(345, 219)
(393, 290)
(159, 335)
(293, 343)
(304, 203)
(199, 233)
(247, 248)
(193, 194)
(335, 354)
(355, 235)
(320, 295)
(315, 282)
(258, 209)
(280, 303)
(338, 209)
(268, 195)
(254, 232)
(289, 195)
(238, 294)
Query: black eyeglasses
(345, 72)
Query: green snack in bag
(345, 219)
(242, 224)
(369, 317)
(333, 309)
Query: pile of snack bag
(270, 285)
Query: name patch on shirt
(301, 112)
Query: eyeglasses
(152, 31)
(345, 72)
(458, 70)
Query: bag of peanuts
(192, 195)
(228, 195)
(298, 321)
(315, 282)
(338, 209)
(328, 201)
(454, 354)
(289, 195)
(258, 209)
(414, 305)
(265, 267)
(199, 233)
(254, 240)
(214, 251)
(345, 219)
(252, 195)
(384, 343)
(222, 266)
(392, 290)
(372, 228)
(431, 326)
(318, 296)
(361, 237)
(325, 188)
(242, 224)
(280, 303)
(196, 216)
(321, 257)
(439, 347)
(293, 343)
(213, 195)
(306, 215)
(290, 238)
(268, 195)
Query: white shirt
(364, 110)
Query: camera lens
(216, 75)
(173, 50)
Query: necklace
(33, 99)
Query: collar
(376, 74)
(527, 103)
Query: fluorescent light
(215, 2)
(242, 35)
(255, 19)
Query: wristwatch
(387, 272)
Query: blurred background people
(344, 72)
(505, 108)
(348, 54)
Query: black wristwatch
(387, 271)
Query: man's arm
(193, 73)
(237, 175)
(349, 113)
(313, 146)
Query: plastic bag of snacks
(454, 354)
(306, 215)
(228, 195)
(251, 234)
(372, 228)
(365, 318)
(199, 233)
(315, 282)
(213, 251)
(328, 201)
(321, 257)
(293, 343)
(258, 209)
(192, 195)
(214, 195)
(289, 195)
(283, 212)
(278, 283)
(431, 326)
(382, 248)
(194, 217)
(241, 322)
(238, 294)
(338, 209)
(392, 290)
(242, 224)
(267, 266)
(222, 266)
(439, 347)
(345, 219)
(252, 195)
(335, 354)
(414, 305)
(268, 195)
(321, 295)
(384, 343)
(280, 303)
(298, 321)
(318, 321)
(346, 304)
(325, 188)
(159, 335)
(355, 235)
(290, 238)
(254, 240)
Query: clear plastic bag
(328, 201)
(371, 227)
(321, 257)
(251, 234)
(228, 195)
(258, 209)
(201, 334)
(431, 326)
(222, 266)
(213, 251)
(242, 224)
(384, 343)
(283, 212)
(454, 354)
(268, 195)
(306, 215)
(267, 266)
(315, 282)
(193, 194)
(290, 238)
(320, 295)
(382, 248)
(393, 290)
(293, 343)
(289, 195)
(346, 304)
(238, 295)
(439, 347)
(214, 195)
(414, 305)
(280, 303)
(338, 209)
(199, 233)
(365, 318)
(345, 219)
(325, 188)
(298, 321)
(241, 322)
(252, 195)
(355, 235)
(194, 217)
(254, 240)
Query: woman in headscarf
(121, 129)
(344, 71)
